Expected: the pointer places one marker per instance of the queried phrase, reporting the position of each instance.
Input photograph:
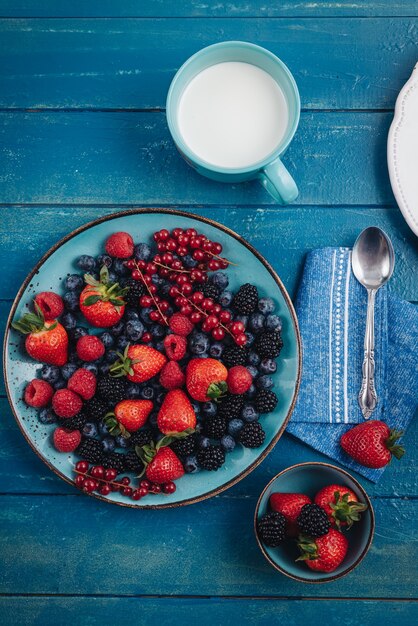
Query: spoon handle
(367, 397)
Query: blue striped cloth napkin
(331, 306)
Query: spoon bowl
(373, 258)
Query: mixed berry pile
(178, 375)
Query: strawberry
(372, 444)
(239, 379)
(101, 302)
(50, 303)
(323, 554)
(120, 245)
(83, 383)
(176, 413)
(46, 341)
(66, 403)
(206, 379)
(341, 505)
(66, 440)
(180, 324)
(162, 464)
(89, 348)
(138, 363)
(290, 505)
(38, 393)
(175, 347)
(129, 416)
(171, 376)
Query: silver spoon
(372, 261)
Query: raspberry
(120, 245)
(66, 403)
(239, 379)
(180, 324)
(83, 382)
(38, 393)
(175, 347)
(171, 376)
(90, 348)
(50, 303)
(66, 440)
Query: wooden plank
(79, 611)
(23, 472)
(196, 8)
(129, 63)
(67, 545)
(130, 158)
(282, 235)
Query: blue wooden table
(83, 134)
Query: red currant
(212, 321)
(182, 279)
(145, 301)
(161, 246)
(82, 466)
(167, 258)
(195, 317)
(194, 243)
(237, 328)
(169, 487)
(97, 471)
(136, 495)
(217, 309)
(216, 247)
(136, 275)
(207, 304)
(151, 269)
(79, 481)
(225, 317)
(154, 316)
(130, 264)
(145, 484)
(198, 255)
(174, 291)
(155, 488)
(177, 265)
(110, 474)
(218, 333)
(105, 490)
(126, 491)
(182, 251)
(125, 480)
(164, 234)
(142, 491)
(152, 288)
(186, 289)
(207, 246)
(171, 245)
(198, 297)
(146, 337)
(164, 306)
(183, 239)
(223, 264)
(186, 309)
(191, 232)
(214, 265)
(241, 340)
(177, 232)
(89, 485)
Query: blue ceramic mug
(270, 171)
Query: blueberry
(228, 443)
(117, 329)
(68, 370)
(249, 414)
(122, 342)
(225, 298)
(266, 306)
(198, 344)
(153, 418)
(132, 391)
(73, 357)
(268, 366)
(89, 430)
(253, 370)
(119, 267)
(165, 289)
(104, 259)
(142, 252)
(257, 322)
(196, 407)
(60, 384)
(157, 280)
(91, 367)
(242, 318)
(122, 442)
(74, 282)
(104, 369)
(131, 314)
(191, 466)
(157, 331)
(47, 416)
(253, 359)
(78, 332)
(220, 280)
(264, 382)
(159, 345)
(134, 330)
(86, 262)
(68, 321)
(108, 444)
(189, 262)
(111, 356)
(235, 426)
(216, 350)
(145, 315)
(50, 373)
(107, 339)
(209, 408)
(103, 429)
(113, 277)
(251, 392)
(160, 397)
(147, 393)
(250, 339)
(203, 442)
(70, 300)
(273, 322)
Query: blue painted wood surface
(83, 134)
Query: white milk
(232, 115)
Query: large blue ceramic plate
(251, 267)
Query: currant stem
(205, 314)
(152, 295)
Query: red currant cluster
(102, 480)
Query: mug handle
(278, 182)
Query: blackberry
(95, 409)
(252, 435)
(268, 344)
(116, 460)
(136, 290)
(245, 300)
(132, 462)
(90, 450)
(77, 422)
(215, 426)
(231, 406)
(184, 447)
(234, 355)
(111, 389)
(313, 520)
(271, 528)
(211, 458)
(210, 291)
(141, 437)
(265, 401)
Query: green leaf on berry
(217, 390)
(91, 300)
